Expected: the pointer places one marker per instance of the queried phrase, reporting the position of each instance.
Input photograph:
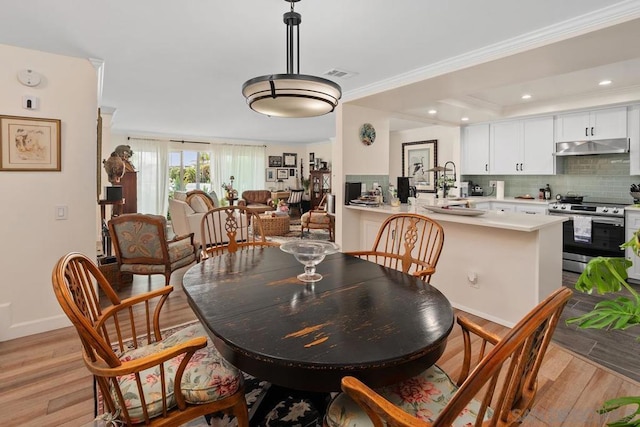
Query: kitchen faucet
(445, 184)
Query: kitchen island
(498, 265)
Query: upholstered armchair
(141, 246)
(318, 219)
(186, 211)
(258, 201)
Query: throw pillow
(197, 203)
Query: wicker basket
(277, 225)
(109, 268)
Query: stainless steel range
(594, 229)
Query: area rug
(255, 392)
(295, 232)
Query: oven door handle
(605, 220)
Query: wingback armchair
(258, 201)
(141, 246)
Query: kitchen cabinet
(475, 150)
(607, 123)
(631, 225)
(522, 147)
(504, 207)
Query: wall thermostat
(29, 78)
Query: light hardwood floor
(43, 381)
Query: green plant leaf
(605, 274)
(627, 421)
(620, 313)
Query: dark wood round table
(361, 319)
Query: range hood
(583, 148)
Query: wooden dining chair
(408, 242)
(141, 245)
(295, 200)
(229, 229)
(148, 379)
(496, 389)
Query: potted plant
(608, 275)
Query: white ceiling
(176, 68)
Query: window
(189, 170)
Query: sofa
(258, 201)
(187, 210)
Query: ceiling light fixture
(526, 96)
(292, 94)
(465, 119)
(605, 82)
(432, 111)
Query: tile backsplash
(382, 180)
(602, 177)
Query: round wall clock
(367, 134)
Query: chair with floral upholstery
(318, 219)
(150, 379)
(408, 242)
(498, 391)
(141, 246)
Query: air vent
(341, 74)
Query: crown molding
(593, 21)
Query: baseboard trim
(32, 327)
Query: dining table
(361, 319)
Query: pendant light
(292, 94)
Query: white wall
(32, 240)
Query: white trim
(19, 330)
(606, 17)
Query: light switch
(61, 212)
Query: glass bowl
(309, 253)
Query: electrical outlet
(472, 277)
(492, 184)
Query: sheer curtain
(151, 160)
(244, 162)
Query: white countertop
(537, 202)
(495, 219)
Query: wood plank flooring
(43, 381)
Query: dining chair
(229, 229)
(496, 389)
(295, 200)
(149, 379)
(141, 245)
(408, 242)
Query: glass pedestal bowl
(309, 253)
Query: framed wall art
(418, 161)
(29, 144)
(275, 161)
(283, 174)
(289, 160)
(270, 175)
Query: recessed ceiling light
(605, 82)
(465, 119)
(432, 111)
(526, 96)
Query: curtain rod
(195, 142)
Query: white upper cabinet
(591, 125)
(475, 150)
(522, 147)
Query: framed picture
(283, 173)
(29, 144)
(418, 161)
(289, 160)
(275, 161)
(292, 172)
(270, 175)
(312, 157)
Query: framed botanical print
(270, 175)
(275, 161)
(283, 173)
(418, 161)
(289, 160)
(30, 144)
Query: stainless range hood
(583, 148)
